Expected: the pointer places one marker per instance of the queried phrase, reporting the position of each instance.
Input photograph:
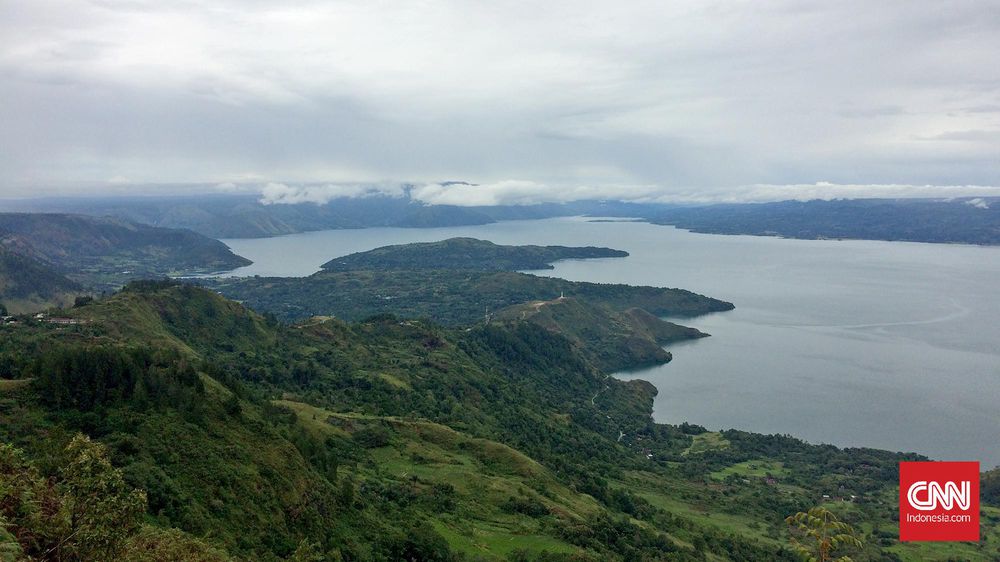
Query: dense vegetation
(27, 284)
(465, 253)
(217, 433)
(453, 297)
(464, 281)
(611, 340)
(968, 221)
(105, 252)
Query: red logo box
(939, 501)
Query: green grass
(759, 468)
(395, 381)
(11, 385)
(680, 499)
(495, 541)
(483, 473)
(706, 442)
(945, 551)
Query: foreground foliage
(818, 534)
(385, 439)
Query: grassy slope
(483, 473)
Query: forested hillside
(466, 253)
(620, 327)
(217, 433)
(611, 340)
(27, 285)
(103, 253)
(452, 297)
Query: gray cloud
(681, 98)
(975, 135)
(283, 194)
(986, 108)
(526, 192)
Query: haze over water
(857, 343)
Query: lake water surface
(893, 345)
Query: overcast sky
(532, 100)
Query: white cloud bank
(284, 194)
(523, 192)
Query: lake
(894, 345)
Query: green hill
(618, 325)
(28, 286)
(106, 252)
(465, 253)
(454, 297)
(464, 281)
(386, 439)
(611, 340)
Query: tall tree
(818, 533)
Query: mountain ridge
(105, 252)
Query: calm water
(884, 344)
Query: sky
(530, 101)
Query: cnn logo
(939, 501)
(927, 496)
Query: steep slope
(26, 285)
(108, 251)
(611, 340)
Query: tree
(307, 552)
(169, 545)
(818, 534)
(31, 509)
(87, 515)
(104, 510)
(10, 551)
(990, 485)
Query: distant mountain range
(963, 220)
(244, 216)
(959, 220)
